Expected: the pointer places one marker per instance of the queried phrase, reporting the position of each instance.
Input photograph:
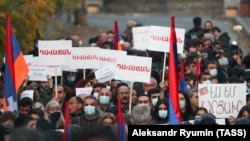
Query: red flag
(122, 134)
(16, 68)
(117, 45)
(66, 133)
(174, 107)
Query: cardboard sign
(55, 52)
(105, 74)
(85, 58)
(27, 93)
(87, 91)
(222, 100)
(159, 39)
(109, 57)
(133, 68)
(140, 37)
(38, 73)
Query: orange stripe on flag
(20, 71)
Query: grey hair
(141, 113)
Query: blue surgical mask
(163, 114)
(154, 101)
(223, 61)
(89, 110)
(104, 100)
(71, 79)
(207, 82)
(95, 94)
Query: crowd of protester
(94, 116)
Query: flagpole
(84, 74)
(130, 96)
(164, 66)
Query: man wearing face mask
(211, 67)
(223, 68)
(90, 118)
(69, 79)
(204, 78)
(154, 95)
(104, 100)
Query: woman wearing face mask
(161, 112)
(53, 114)
(185, 106)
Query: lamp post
(238, 29)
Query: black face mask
(8, 128)
(55, 116)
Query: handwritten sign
(27, 93)
(159, 39)
(87, 91)
(133, 68)
(53, 70)
(85, 58)
(222, 100)
(38, 73)
(140, 37)
(105, 74)
(109, 57)
(55, 52)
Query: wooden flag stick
(56, 83)
(84, 74)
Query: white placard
(85, 58)
(159, 39)
(54, 70)
(133, 68)
(140, 37)
(222, 100)
(220, 121)
(55, 52)
(68, 68)
(109, 57)
(38, 73)
(105, 74)
(27, 93)
(87, 91)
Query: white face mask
(1, 110)
(95, 94)
(154, 101)
(163, 114)
(213, 72)
(182, 104)
(207, 82)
